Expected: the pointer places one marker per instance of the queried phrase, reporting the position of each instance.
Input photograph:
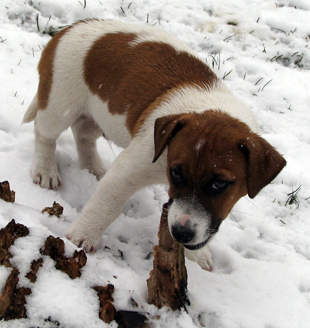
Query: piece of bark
(167, 284)
(56, 210)
(107, 309)
(18, 309)
(34, 268)
(6, 193)
(13, 299)
(55, 248)
(6, 297)
(69, 266)
(8, 235)
(80, 257)
(108, 312)
(15, 230)
(5, 254)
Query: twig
(45, 30)
(229, 37)
(266, 84)
(217, 62)
(37, 20)
(293, 197)
(278, 29)
(226, 74)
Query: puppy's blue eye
(176, 175)
(219, 185)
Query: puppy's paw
(82, 235)
(93, 164)
(201, 256)
(46, 177)
(97, 170)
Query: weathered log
(167, 284)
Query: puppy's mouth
(197, 246)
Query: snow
(261, 254)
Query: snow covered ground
(261, 276)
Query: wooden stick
(167, 284)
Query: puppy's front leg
(130, 172)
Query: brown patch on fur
(131, 77)
(46, 67)
(213, 145)
(144, 115)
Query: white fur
(72, 105)
(112, 125)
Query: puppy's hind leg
(48, 125)
(44, 167)
(86, 131)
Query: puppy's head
(213, 160)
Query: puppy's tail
(31, 112)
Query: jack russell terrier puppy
(178, 124)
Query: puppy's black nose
(182, 234)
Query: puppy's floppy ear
(165, 128)
(264, 163)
